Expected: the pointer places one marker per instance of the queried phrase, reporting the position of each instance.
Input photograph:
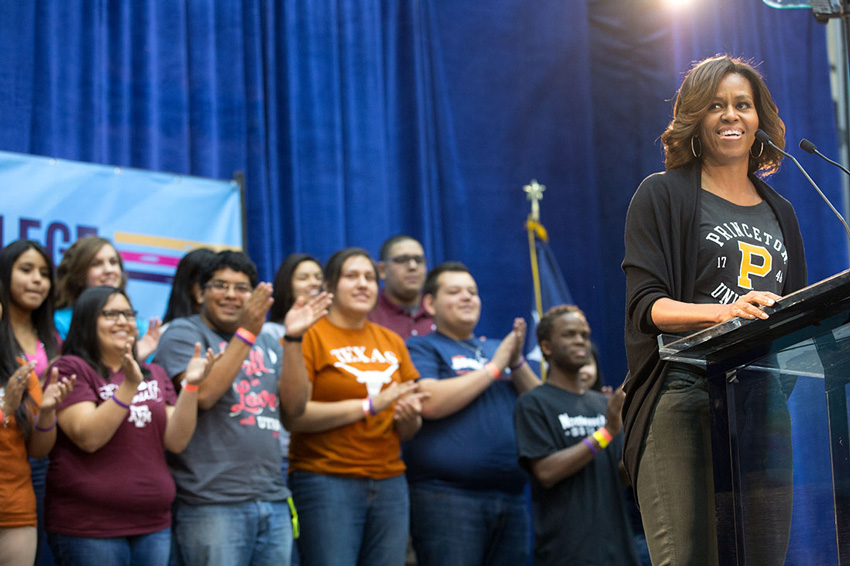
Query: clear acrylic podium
(781, 469)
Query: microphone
(762, 136)
(809, 147)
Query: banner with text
(152, 218)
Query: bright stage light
(678, 4)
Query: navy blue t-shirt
(474, 448)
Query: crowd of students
(170, 443)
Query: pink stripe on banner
(150, 259)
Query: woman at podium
(707, 240)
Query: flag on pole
(550, 289)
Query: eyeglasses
(113, 314)
(406, 259)
(219, 286)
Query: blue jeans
(452, 527)
(38, 467)
(252, 533)
(348, 521)
(139, 550)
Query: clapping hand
(129, 365)
(149, 342)
(199, 367)
(256, 306)
(409, 406)
(304, 313)
(56, 391)
(15, 387)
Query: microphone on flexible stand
(809, 147)
(762, 136)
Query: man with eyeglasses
(231, 498)
(399, 307)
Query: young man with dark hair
(466, 489)
(231, 498)
(402, 268)
(569, 438)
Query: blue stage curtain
(354, 120)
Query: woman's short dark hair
(181, 302)
(42, 317)
(82, 340)
(333, 269)
(74, 268)
(283, 296)
(227, 259)
(692, 103)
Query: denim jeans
(140, 550)
(252, 533)
(460, 527)
(349, 521)
(38, 467)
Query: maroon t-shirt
(124, 488)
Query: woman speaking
(707, 241)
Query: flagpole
(534, 190)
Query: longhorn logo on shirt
(373, 379)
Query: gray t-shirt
(741, 250)
(234, 455)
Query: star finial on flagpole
(534, 190)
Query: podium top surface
(793, 322)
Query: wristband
(493, 369)
(119, 403)
(603, 437)
(518, 365)
(288, 338)
(48, 429)
(367, 406)
(371, 407)
(246, 336)
(188, 387)
(589, 444)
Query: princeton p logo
(755, 260)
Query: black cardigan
(662, 243)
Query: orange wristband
(246, 336)
(494, 369)
(188, 387)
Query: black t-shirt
(582, 519)
(741, 250)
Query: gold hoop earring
(760, 150)
(694, 151)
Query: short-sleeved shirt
(475, 448)
(234, 455)
(346, 364)
(123, 488)
(402, 321)
(582, 519)
(16, 493)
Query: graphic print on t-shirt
(581, 426)
(373, 379)
(253, 398)
(140, 414)
(741, 250)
